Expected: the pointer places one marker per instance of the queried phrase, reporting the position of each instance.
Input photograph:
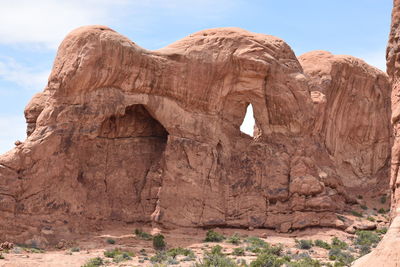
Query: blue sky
(30, 32)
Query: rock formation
(128, 135)
(387, 253)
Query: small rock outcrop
(129, 135)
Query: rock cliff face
(352, 101)
(387, 253)
(124, 134)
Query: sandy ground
(94, 245)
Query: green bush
(304, 244)
(213, 236)
(158, 242)
(267, 260)
(382, 231)
(75, 249)
(337, 243)
(340, 256)
(322, 244)
(356, 213)
(114, 253)
(159, 257)
(371, 219)
(365, 249)
(216, 258)
(366, 238)
(110, 241)
(94, 262)
(364, 207)
(304, 262)
(382, 211)
(238, 252)
(2, 256)
(383, 199)
(234, 239)
(174, 252)
(143, 235)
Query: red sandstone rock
(127, 135)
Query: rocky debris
(128, 135)
(6, 246)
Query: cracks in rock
(106, 167)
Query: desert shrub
(158, 242)
(143, 235)
(342, 218)
(159, 257)
(2, 256)
(255, 244)
(340, 256)
(267, 260)
(382, 211)
(234, 239)
(322, 244)
(174, 252)
(364, 207)
(238, 252)
(304, 244)
(371, 219)
(304, 262)
(337, 243)
(110, 241)
(213, 236)
(356, 213)
(94, 262)
(113, 253)
(122, 257)
(216, 258)
(383, 199)
(368, 238)
(382, 231)
(365, 249)
(75, 249)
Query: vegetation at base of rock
(143, 235)
(322, 244)
(234, 239)
(159, 242)
(366, 238)
(94, 262)
(371, 219)
(118, 255)
(216, 258)
(2, 256)
(75, 249)
(238, 252)
(304, 262)
(342, 257)
(383, 199)
(337, 243)
(382, 231)
(356, 213)
(269, 260)
(304, 244)
(364, 207)
(213, 236)
(382, 211)
(174, 252)
(110, 241)
(258, 246)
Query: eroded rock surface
(128, 135)
(387, 253)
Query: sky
(30, 32)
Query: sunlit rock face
(123, 134)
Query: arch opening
(248, 125)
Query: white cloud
(46, 22)
(23, 76)
(12, 128)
